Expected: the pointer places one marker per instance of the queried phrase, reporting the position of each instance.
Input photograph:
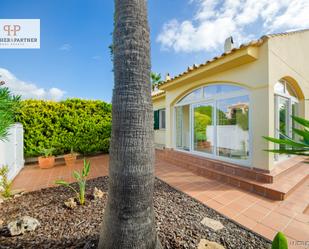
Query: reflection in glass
(212, 90)
(203, 128)
(233, 128)
(195, 95)
(183, 127)
(294, 124)
(283, 105)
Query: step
(189, 161)
(286, 167)
(290, 182)
(283, 187)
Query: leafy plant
(5, 184)
(9, 104)
(292, 146)
(279, 242)
(47, 152)
(81, 179)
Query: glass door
(203, 129)
(283, 121)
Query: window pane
(283, 118)
(233, 127)
(294, 124)
(203, 128)
(212, 90)
(162, 119)
(195, 95)
(183, 127)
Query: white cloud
(214, 21)
(66, 47)
(29, 90)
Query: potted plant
(70, 158)
(47, 160)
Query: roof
(255, 43)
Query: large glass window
(214, 120)
(233, 127)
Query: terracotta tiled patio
(264, 216)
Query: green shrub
(84, 125)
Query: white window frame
(291, 100)
(215, 98)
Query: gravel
(178, 220)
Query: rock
(22, 225)
(213, 224)
(70, 203)
(206, 244)
(97, 193)
(17, 196)
(1, 223)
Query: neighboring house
(221, 109)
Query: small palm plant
(81, 179)
(292, 146)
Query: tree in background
(155, 78)
(8, 107)
(129, 220)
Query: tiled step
(190, 161)
(284, 185)
(291, 179)
(285, 168)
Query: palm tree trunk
(129, 220)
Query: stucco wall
(159, 135)
(286, 58)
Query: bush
(84, 125)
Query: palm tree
(8, 107)
(129, 220)
(155, 78)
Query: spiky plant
(292, 146)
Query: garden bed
(178, 219)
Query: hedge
(84, 125)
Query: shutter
(156, 120)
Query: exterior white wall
(12, 151)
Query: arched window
(213, 120)
(286, 105)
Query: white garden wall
(12, 151)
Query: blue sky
(74, 59)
